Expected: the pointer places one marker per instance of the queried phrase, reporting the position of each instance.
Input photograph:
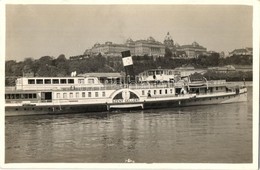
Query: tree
(168, 53)
(62, 65)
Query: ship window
(90, 81)
(6, 96)
(58, 95)
(55, 81)
(83, 94)
(154, 92)
(31, 81)
(89, 94)
(142, 92)
(160, 91)
(47, 81)
(103, 94)
(171, 91)
(77, 94)
(11, 96)
(26, 96)
(216, 88)
(96, 94)
(150, 73)
(17, 96)
(39, 81)
(71, 81)
(64, 95)
(81, 81)
(63, 81)
(30, 96)
(165, 91)
(71, 95)
(159, 72)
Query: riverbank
(240, 83)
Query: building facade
(193, 50)
(242, 51)
(185, 51)
(149, 47)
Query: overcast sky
(38, 30)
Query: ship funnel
(128, 65)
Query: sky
(33, 31)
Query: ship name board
(125, 101)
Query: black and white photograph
(154, 85)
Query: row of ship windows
(159, 72)
(213, 98)
(58, 81)
(21, 96)
(160, 91)
(77, 95)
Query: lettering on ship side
(125, 96)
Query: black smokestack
(128, 64)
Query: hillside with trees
(48, 66)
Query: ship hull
(149, 103)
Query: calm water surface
(216, 134)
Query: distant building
(168, 42)
(184, 51)
(193, 50)
(149, 47)
(242, 51)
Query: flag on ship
(128, 64)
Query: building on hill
(242, 51)
(193, 50)
(168, 42)
(185, 51)
(149, 47)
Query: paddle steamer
(152, 89)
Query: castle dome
(168, 37)
(150, 39)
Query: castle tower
(168, 42)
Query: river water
(201, 134)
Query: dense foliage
(51, 67)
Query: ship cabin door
(46, 96)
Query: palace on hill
(149, 47)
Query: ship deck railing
(117, 86)
(98, 88)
